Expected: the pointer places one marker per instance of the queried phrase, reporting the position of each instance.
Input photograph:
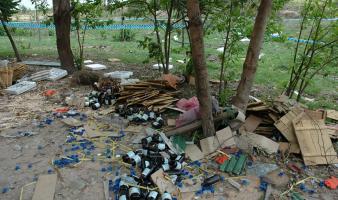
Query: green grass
(271, 77)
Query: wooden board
(45, 187)
(284, 125)
(314, 142)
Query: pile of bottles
(96, 99)
(140, 115)
(149, 159)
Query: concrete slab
(42, 63)
(56, 74)
(96, 67)
(21, 87)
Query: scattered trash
(18, 134)
(331, 183)
(261, 169)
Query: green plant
(25, 45)
(124, 35)
(51, 32)
(2, 31)
(84, 14)
(103, 34)
(319, 53)
(154, 49)
(225, 96)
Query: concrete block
(21, 87)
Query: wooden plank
(45, 187)
(314, 142)
(259, 108)
(194, 125)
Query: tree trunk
(62, 21)
(17, 55)
(250, 64)
(198, 58)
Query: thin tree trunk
(17, 55)
(250, 64)
(198, 58)
(225, 47)
(167, 39)
(62, 21)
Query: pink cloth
(191, 106)
(187, 104)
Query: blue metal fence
(30, 25)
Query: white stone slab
(87, 61)
(157, 66)
(96, 67)
(119, 74)
(56, 74)
(21, 87)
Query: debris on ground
(137, 140)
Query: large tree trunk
(198, 58)
(17, 55)
(62, 21)
(250, 64)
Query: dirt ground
(23, 159)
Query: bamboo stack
(149, 94)
(6, 76)
(19, 70)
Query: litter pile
(295, 128)
(104, 94)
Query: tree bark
(62, 22)
(250, 64)
(17, 55)
(198, 58)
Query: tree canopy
(8, 8)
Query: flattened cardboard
(45, 187)
(209, 145)
(162, 183)
(251, 123)
(265, 143)
(314, 142)
(285, 146)
(284, 125)
(316, 114)
(226, 137)
(332, 114)
(193, 152)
